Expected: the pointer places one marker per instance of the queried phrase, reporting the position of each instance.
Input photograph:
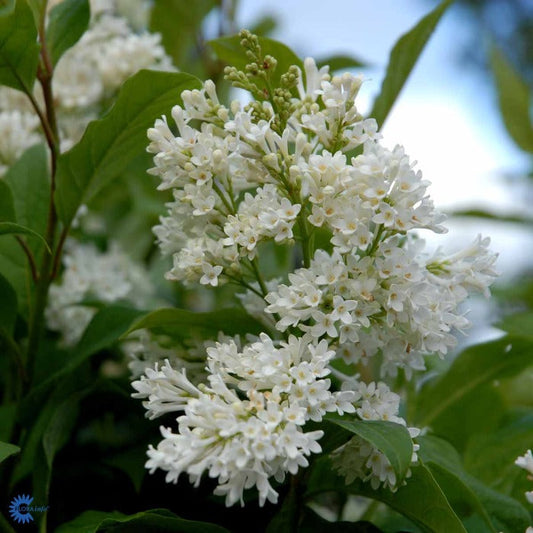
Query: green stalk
(259, 277)
(44, 278)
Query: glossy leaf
(14, 266)
(229, 50)
(470, 416)
(8, 305)
(391, 439)
(183, 323)
(313, 523)
(19, 51)
(491, 457)
(104, 329)
(421, 500)
(7, 449)
(88, 521)
(159, 520)
(67, 23)
(403, 58)
(178, 22)
(473, 368)
(8, 413)
(490, 215)
(286, 519)
(10, 228)
(29, 180)
(60, 426)
(37, 8)
(7, 206)
(519, 325)
(498, 512)
(109, 144)
(514, 97)
(341, 62)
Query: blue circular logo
(18, 509)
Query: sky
(445, 116)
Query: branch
(31, 259)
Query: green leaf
(182, 323)
(8, 413)
(88, 522)
(402, 59)
(29, 179)
(60, 426)
(498, 512)
(491, 457)
(6, 450)
(105, 328)
(393, 440)
(37, 9)
(229, 50)
(67, 23)
(14, 266)
(340, 62)
(37, 414)
(19, 51)
(470, 416)
(499, 217)
(128, 462)
(8, 306)
(286, 519)
(473, 368)
(7, 228)
(6, 7)
(514, 97)
(313, 523)
(421, 500)
(179, 22)
(7, 207)
(264, 26)
(519, 325)
(157, 520)
(109, 144)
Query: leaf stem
(259, 277)
(57, 255)
(29, 255)
(36, 321)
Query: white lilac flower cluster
(395, 301)
(85, 77)
(358, 459)
(247, 424)
(298, 164)
(92, 276)
(144, 350)
(526, 462)
(18, 131)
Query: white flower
(526, 462)
(358, 458)
(211, 274)
(18, 131)
(247, 424)
(244, 176)
(92, 275)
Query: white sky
(445, 117)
